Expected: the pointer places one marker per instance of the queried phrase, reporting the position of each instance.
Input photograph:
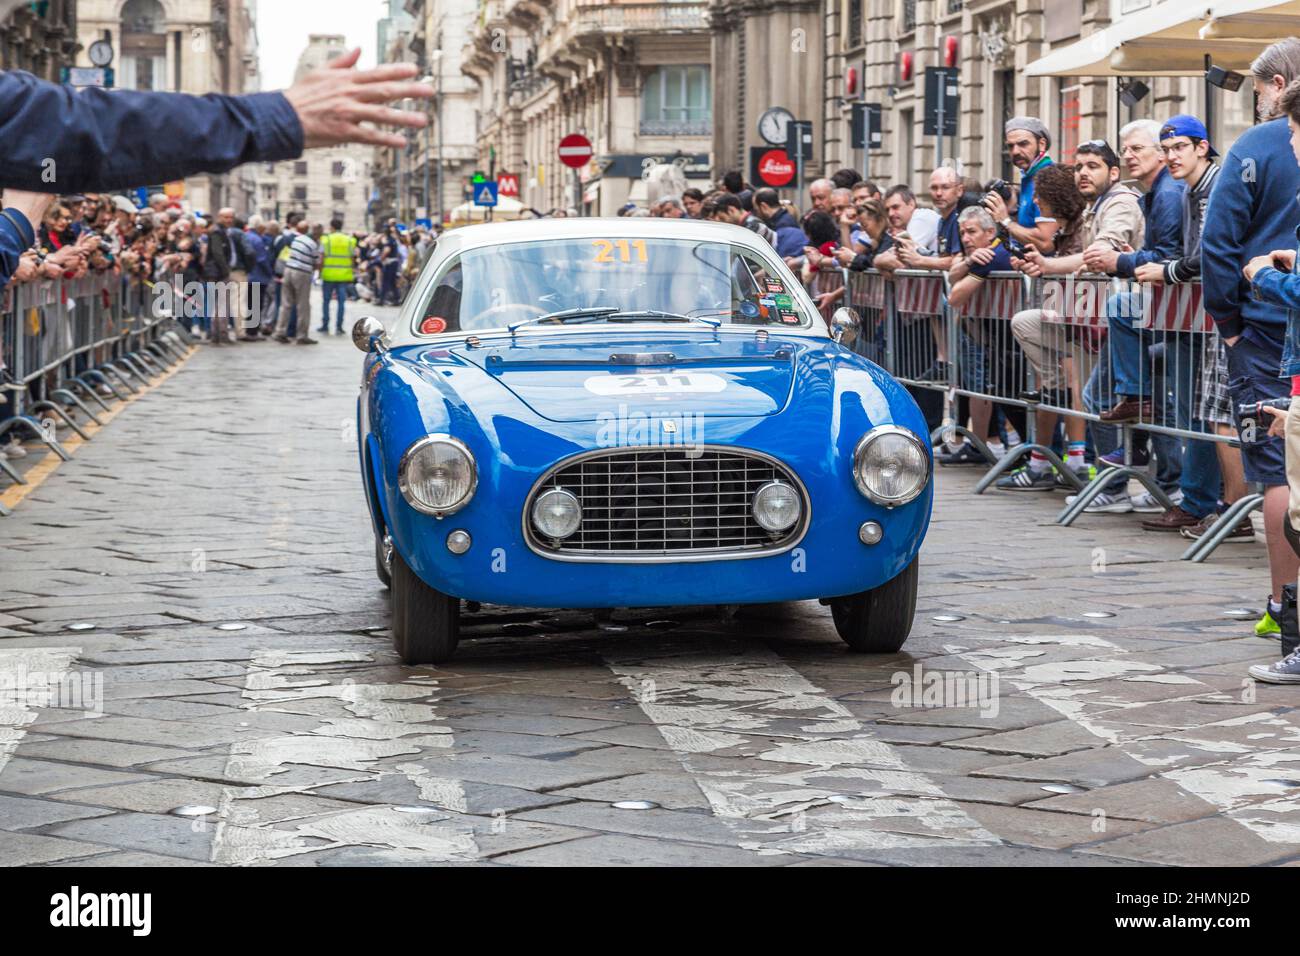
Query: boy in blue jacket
(1253, 211)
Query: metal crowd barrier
(1060, 347)
(71, 343)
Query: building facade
(187, 46)
(442, 157)
(634, 78)
(38, 38)
(328, 183)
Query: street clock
(772, 125)
(100, 53)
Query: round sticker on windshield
(749, 309)
(433, 325)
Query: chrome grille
(669, 502)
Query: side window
(445, 302)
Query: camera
(1016, 248)
(1001, 187)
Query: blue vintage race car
(604, 413)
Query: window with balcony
(675, 101)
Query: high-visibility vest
(337, 263)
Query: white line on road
(29, 680)
(383, 720)
(708, 706)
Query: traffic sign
(774, 167)
(799, 139)
(942, 101)
(575, 150)
(485, 194)
(864, 126)
(507, 184)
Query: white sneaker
(1147, 503)
(13, 450)
(1105, 504)
(997, 449)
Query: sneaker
(1141, 457)
(997, 449)
(1285, 671)
(13, 450)
(965, 455)
(306, 341)
(282, 338)
(1244, 531)
(1147, 503)
(1267, 627)
(1175, 519)
(1106, 504)
(1025, 479)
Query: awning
(1173, 38)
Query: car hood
(586, 377)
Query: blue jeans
(334, 290)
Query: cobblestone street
(216, 537)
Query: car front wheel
(426, 622)
(878, 621)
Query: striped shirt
(303, 254)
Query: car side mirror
(844, 325)
(366, 333)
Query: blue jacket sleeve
(1223, 244)
(1273, 285)
(58, 139)
(1164, 234)
(16, 237)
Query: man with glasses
(1190, 159)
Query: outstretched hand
(334, 101)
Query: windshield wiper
(563, 315)
(592, 313)
(659, 314)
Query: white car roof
(525, 230)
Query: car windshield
(564, 281)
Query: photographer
(1027, 143)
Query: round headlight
(437, 475)
(776, 507)
(890, 465)
(556, 513)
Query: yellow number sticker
(605, 250)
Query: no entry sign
(575, 150)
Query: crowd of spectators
(1156, 212)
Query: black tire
(426, 622)
(878, 621)
(381, 567)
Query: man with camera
(1027, 142)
